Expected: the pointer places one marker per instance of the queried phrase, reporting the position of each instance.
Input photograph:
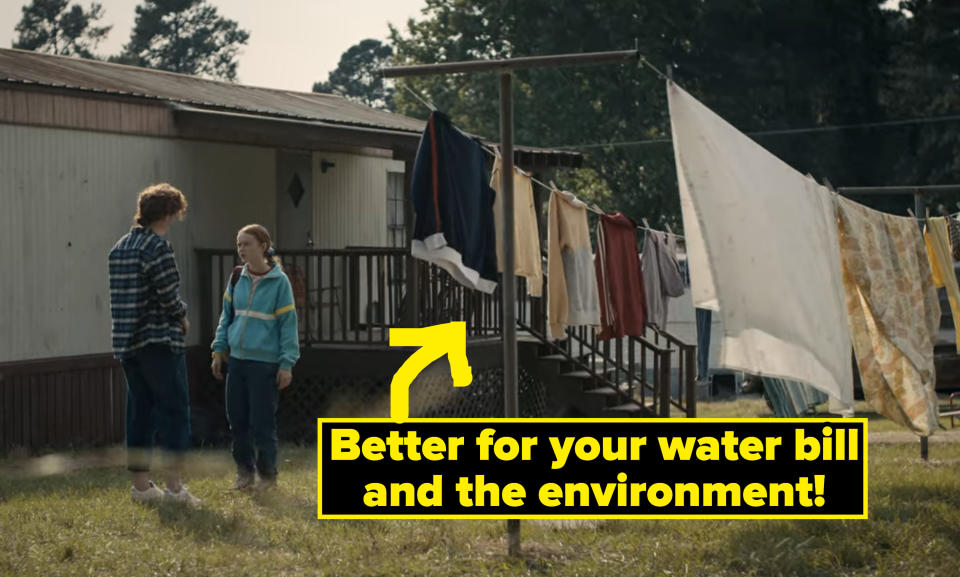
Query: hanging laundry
(661, 277)
(623, 307)
(893, 313)
(571, 281)
(527, 260)
(954, 228)
(762, 249)
(454, 206)
(791, 399)
(671, 244)
(941, 265)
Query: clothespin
(596, 208)
(828, 185)
(646, 223)
(943, 211)
(910, 212)
(553, 185)
(670, 230)
(928, 213)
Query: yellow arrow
(447, 339)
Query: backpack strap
(234, 277)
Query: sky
(293, 43)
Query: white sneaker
(182, 496)
(151, 494)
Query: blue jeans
(158, 403)
(252, 397)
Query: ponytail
(271, 256)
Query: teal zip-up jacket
(261, 326)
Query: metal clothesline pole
(505, 68)
(510, 64)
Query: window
(396, 226)
(295, 190)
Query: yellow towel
(937, 238)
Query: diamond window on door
(295, 190)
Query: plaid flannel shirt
(144, 293)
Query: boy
(149, 323)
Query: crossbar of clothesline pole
(508, 64)
(895, 190)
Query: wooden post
(663, 384)
(690, 372)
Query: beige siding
(350, 200)
(69, 195)
(350, 210)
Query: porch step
(585, 381)
(629, 410)
(600, 398)
(584, 374)
(557, 364)
(605, 395)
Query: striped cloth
(792, 399)
(144, 293)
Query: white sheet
(762, 249)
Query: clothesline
(422, 100)
(594, 209)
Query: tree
(925, 82)
(185, 36)
(48, 26)
(357, 76)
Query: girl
(258, 326)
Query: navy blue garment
(454, 206)
(158, 403)
(252, 397)
(704, 320)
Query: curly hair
(157, 202)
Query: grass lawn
(72, 515)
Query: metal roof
(26, 67)
(94, 76)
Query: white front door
(294, 200)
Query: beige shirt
(572, 298)
(527, 259)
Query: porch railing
(355, 295)
(656, 371)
